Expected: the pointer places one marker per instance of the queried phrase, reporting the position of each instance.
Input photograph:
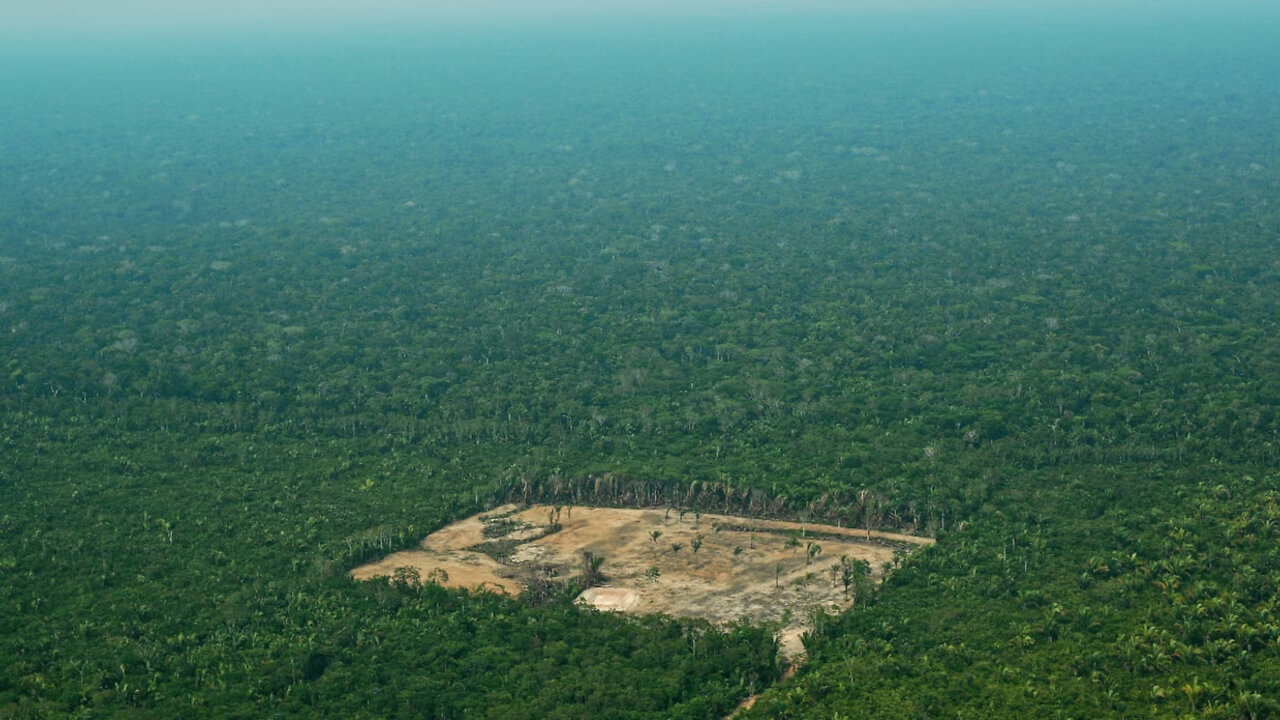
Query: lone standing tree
(811, 551)
(591, 575)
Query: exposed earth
(718, 567)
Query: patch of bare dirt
(719, 567)
(456, 569)
(609, 598)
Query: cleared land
(763, 570)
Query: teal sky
(51, 14)
(140, 14)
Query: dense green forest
(249, 338)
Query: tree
(406, 577)
(872, 506)
(591, 575)
(846, 574)
(855, 573)
(812, 550)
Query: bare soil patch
(609, 598)
(719, 567)
(461, 569)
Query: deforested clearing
(682, 563)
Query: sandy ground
(462, 569)
(743, 568)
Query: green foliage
(1050, 602)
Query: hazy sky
(107, 16)
(53, 13)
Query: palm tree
(591, 575)
(812, 550)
